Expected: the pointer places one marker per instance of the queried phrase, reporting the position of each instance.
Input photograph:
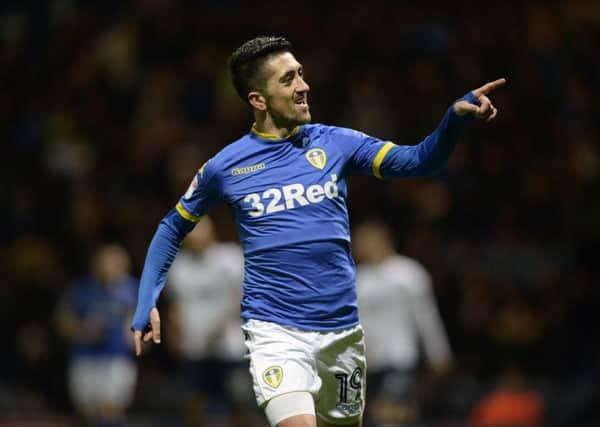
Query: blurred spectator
(94, 316)
(512, 402)
(400, 317)
(204, 286)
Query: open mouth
(301, 101)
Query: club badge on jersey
(317, 157)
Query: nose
(303, 87)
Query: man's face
(286, 92)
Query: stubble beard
(297, 118)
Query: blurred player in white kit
(204, 289)
(400, 316)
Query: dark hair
(246, 61)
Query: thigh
(281, 360)
(299, 421)
(342, 369)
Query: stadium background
(107, 108)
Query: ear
(257, 100)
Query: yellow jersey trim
(379, 158)
(185, 214)
(272, 136)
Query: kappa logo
(316, 157)
(273, 376)
(248, 169)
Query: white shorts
(95, 381)
(329, 365)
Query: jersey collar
(273, 137)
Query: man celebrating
(285, 182)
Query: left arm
(431, 154)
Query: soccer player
(94, 315)
(402, 325)
(203, 289)
(285, 182)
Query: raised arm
(431, 154)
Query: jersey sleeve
(204, 191)
(383, 159)
(364, 152)
(161, 253)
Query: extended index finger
(155, 322)
(137, 340)
(488, 87)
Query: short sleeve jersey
(288, 198)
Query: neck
(264, 124)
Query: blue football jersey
(288, 197)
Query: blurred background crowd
(108, 108)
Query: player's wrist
(471, 98)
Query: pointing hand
(152, 333)
(486, 111)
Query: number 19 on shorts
(353, 382)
